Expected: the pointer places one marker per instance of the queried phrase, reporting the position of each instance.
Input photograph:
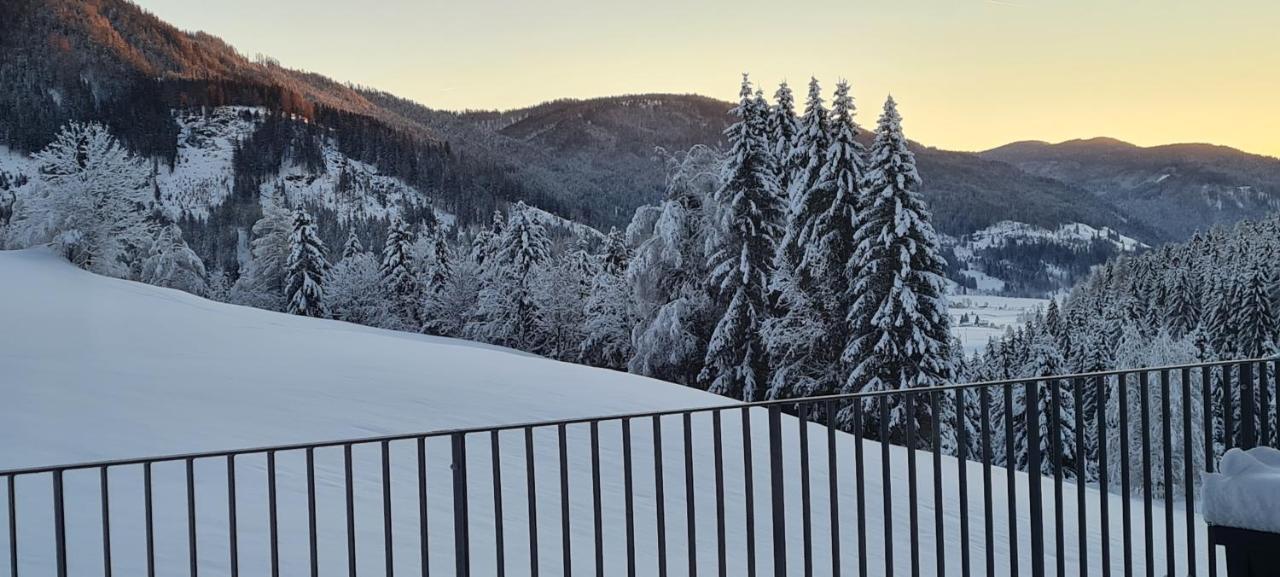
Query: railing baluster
(532, 492)
(833, 484)
(777, 491)
(748, 482)
(1104, 484)
(59, 524)
(939, 539)
(1248, 426)
(1034, 471)
(566, 538)
(424, 543)
(660, 501)
(313, 549)
(1206, 391)
(106, 521)
(913, 493)
(271, 514)
(1228, 410)
(495, 451)
(148, 512)
(1166, 432)
(13, 526)
(886, 480)
(1144, 386)
(628, 490)
(1011, 486)
(1188, 464)
(1126, 513)
(233, 544)
(1264, 405)
(691, 525)
(191, 517)
(718, 463)
(860, 492)
(962, 452)
(1054, 387)
(988, 523)
(597, 502)
(1082, 475)
(806, 518)
(461, 507)
(1275, 406)
(351, 509)
(387, 544)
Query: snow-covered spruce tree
(1183, 306)
(742, 248)
(353, 288)
(666, 278)
(806, 340)
(1137, 350)
(560, 292)
(507, 312)
(783, 130)
(1046, 360)
(171, 263)
(262, 284)
(1255, 320)
(400, 283)
(809, 153)
(90, 201)
(606, 338)
(900, 331)
(306, 269)
(353, 246)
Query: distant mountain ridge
(1174, 188)
(589, 161)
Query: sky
(967, 74)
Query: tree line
(798, 262)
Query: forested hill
(1176, 189)
(589, 160)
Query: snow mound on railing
(1246, 492)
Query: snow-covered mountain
(160, 371)
(1027, 260)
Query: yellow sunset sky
(968, 74)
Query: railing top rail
(728, 405)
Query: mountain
(1175, 189)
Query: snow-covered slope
(203, 174)
(95, 368)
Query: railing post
(1034, 495)
(461, 532)
(59, 524)
(1248, 428)
(778, 492)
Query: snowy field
(985, 317)
(157, 371)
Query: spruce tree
(807, 338)
(306, 268)
(399, 280)
(900, 330)
(1255, 324)
(507, 311)
(740, 260)
(353, 246)
(784, 129)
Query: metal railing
(1047, 475)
